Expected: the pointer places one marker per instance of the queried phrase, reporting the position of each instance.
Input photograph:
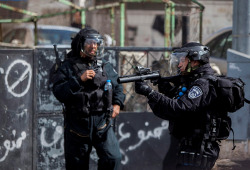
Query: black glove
(142, 88)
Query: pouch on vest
(220, 127)
(100, 78)
(80, 105)
(225, 128)
(108, 101)
(96, 100)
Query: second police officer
(79, 84)
(188, 104)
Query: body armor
(91, 97)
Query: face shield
(177, 60)
(93, 46)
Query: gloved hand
(142, 88)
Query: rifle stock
(56, 50)
(58, 60)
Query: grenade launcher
(141, 74)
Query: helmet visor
(93, 47)
(175, 59)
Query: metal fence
(154, 58)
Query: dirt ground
(227, 164)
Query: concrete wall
(217, 15)
(238, 66)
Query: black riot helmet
(196, 52)
(193, 51)
(85, 37)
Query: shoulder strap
(234, 146)
(104, 63)
(210, 77)
(247, 101)
(76, 68)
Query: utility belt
(199, 153)
(77, 110)
(84, 111)
(95, 101)
(192, 159)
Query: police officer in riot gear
(187, 102)
(79, 85)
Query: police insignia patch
(194, 92)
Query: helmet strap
(87, 56)
(84, 52)
(190, 68)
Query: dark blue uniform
(190, 115)
(87, 121)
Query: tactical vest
(91, 98)
(194, 148)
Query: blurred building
(144, 21)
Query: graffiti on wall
(50, 142)
(10, 145)
(142, 136)
(15, 109)
(25, 74)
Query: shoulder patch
(195, 92)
